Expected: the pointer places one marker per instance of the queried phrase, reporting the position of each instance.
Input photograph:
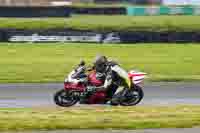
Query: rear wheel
(132, 96)
(65, 98)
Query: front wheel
(64, 98)
(132, 96)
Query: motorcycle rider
(104, 70)
(106, 67)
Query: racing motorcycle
(73, 91)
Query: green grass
(100, 118)
(107, 23)
(51, 62)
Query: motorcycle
(73, 91)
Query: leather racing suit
(107, 68)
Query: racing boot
(115, 99)
(117, 96)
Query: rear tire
(132, 96)
(65, 98)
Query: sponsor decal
(55, 38)
(94, 37)
(112, 38)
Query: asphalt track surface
(162, 93)
(33, 95)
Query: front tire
(132, 96)
(64, 98)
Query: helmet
(82, 63)
(100, 63)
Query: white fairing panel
(137, 77)
(70, 79)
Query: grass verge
(107, 23)
(51, 62)
(100, 118)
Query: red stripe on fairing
(133, 75)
